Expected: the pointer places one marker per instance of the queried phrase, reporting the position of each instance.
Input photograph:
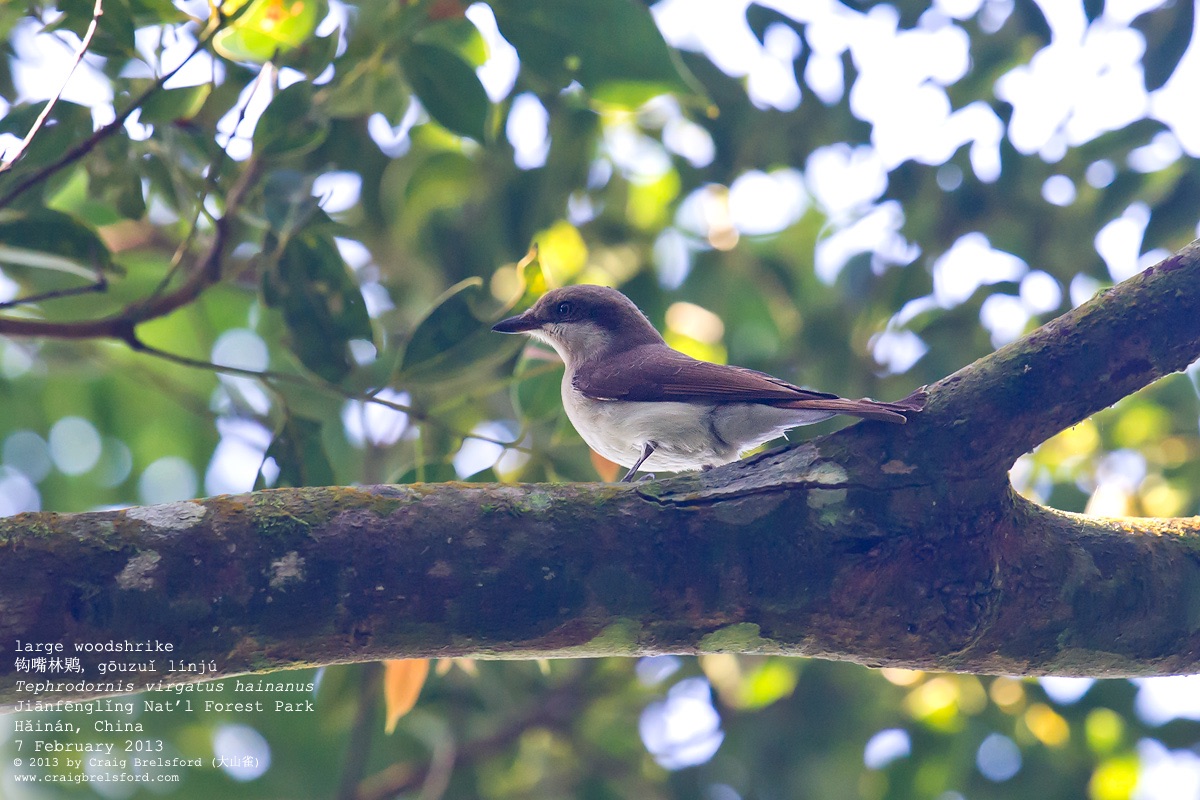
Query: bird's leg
(647, 450)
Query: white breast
(618, 430)
(687, 436)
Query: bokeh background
(857, 197)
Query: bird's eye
(564, 309)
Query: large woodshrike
(639, 403)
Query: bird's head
(583, 322)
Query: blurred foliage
(396, 192)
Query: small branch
(106, 328)
(366, 721)
(214, 171)
(99, 135)
(208, 269)
(558, 707)
(123, 324)
(180, 251)
(100, 285)
(441, 769)
(160, 303)
(271, 376)
(84, 43)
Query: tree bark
(881, 544)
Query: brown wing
(656, 372)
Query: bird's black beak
(518, 324)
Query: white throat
(574, 342)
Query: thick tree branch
(937, 577)
(989, 413)
(881, 544)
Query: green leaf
(268, 27)
(437, 472)
(487, 475)
(156, 12)
(442, 472)
(774, 680)
(225, 96)
(169, 105)
(288, 204)
(367, 88)
(52, 240)
(448, 88)
(301, 400)
(1027, 16)
(533, 279)
(313, 56)
(1168, 33)
(67, 124)
(321, 304)
(443, 180)
(575, 134)
(114, 180)
(451, 320)
(760, 17)
(300, 454)
(536, 393)
(291, 125)
(127, 197)
(612, 47)
(458, 35)
(75, 198)
(455, 337)
(114, 32)
(1171, 224)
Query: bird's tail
(867, 409)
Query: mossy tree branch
(880, 544)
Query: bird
(644, 405)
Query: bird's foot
(647, 450)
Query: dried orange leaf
(402, 682)
(606, 469)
